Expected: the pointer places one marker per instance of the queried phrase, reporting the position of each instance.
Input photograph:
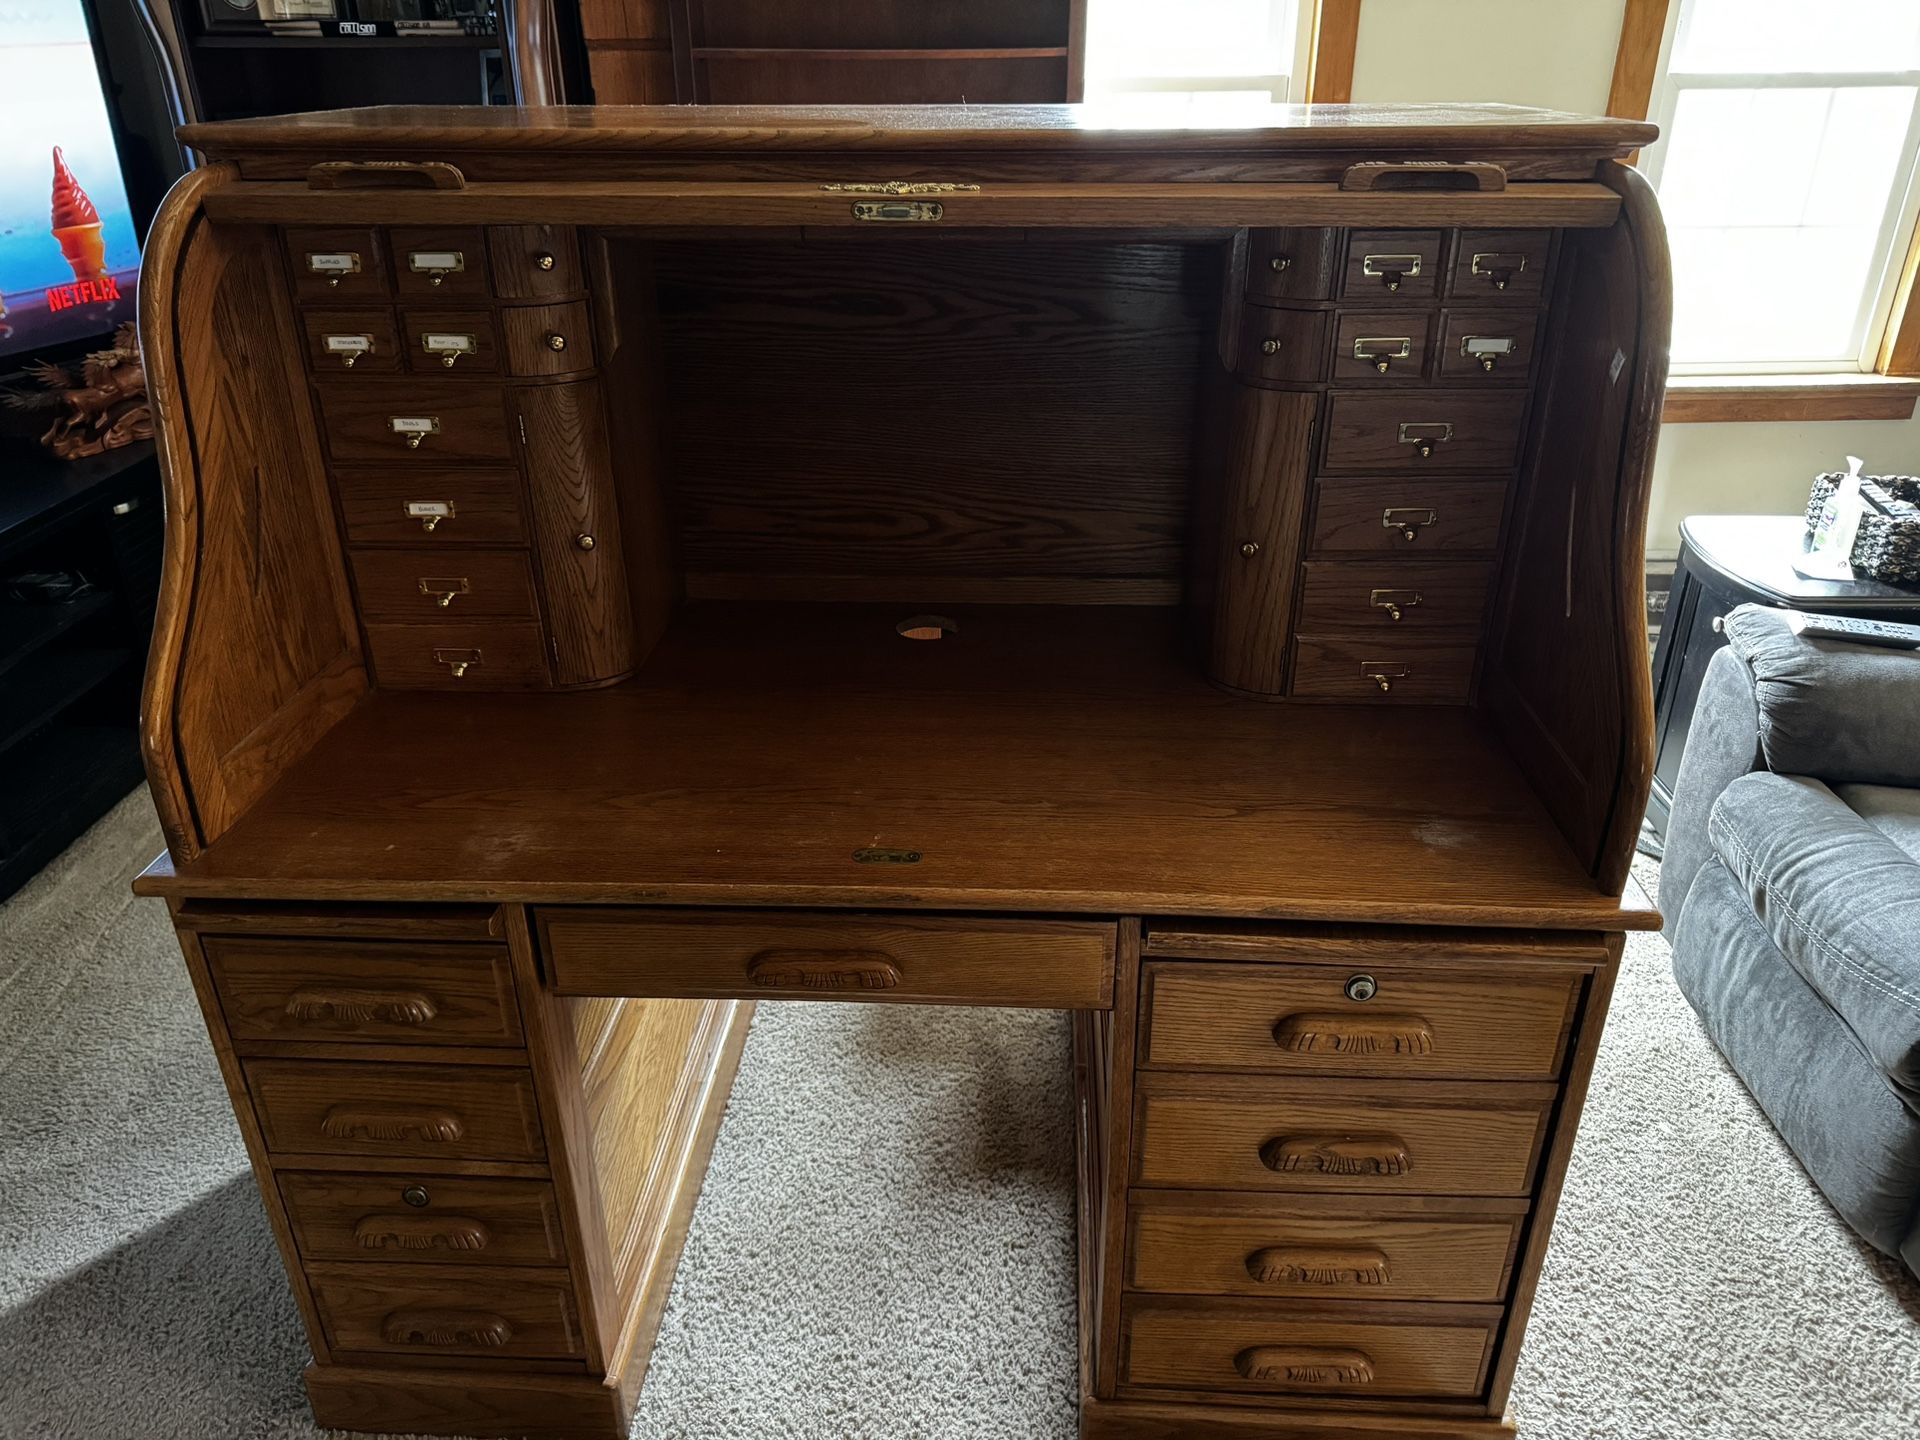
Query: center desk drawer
(1042, 964)
(430, 1219)
(422, 1112)
(1366, 1137)
(1416, 1021)
(391, 992)
(417, 422)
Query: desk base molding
(466, 1402)
(1156, 1420)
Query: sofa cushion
(1824, 1095)
(1846, 713)
(1840, 901)
(1893, 810)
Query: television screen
(69, 258)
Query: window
(1195, 54)
(1786, 171)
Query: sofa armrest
(1722, 745)
(1846, 714)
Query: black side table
(1729, 560)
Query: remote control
(1857, 632)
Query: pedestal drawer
(483, 655)
(397, 992)
(1281, 1348)
(422, 1112)
(1367, 1137)
(1391, 597)
(1381, 347)
(396, 1309)
(1382, 670)
(1323, 1248)
(423, 1219)
(431, 507)
(1405, 517)
(450, 342)
(351, 342)
(425, 586)
(1424, 430)
(1434, 1022)
(414, 422)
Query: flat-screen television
(69, 254)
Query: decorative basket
(1887, 547)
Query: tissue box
(1887, 547)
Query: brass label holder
(1487, 349)
(1423, 435)
(1498, 267)
(348, 347)
(448, 346)
(436, 265)
(1408, 519)
(428, 512)
(1380, 351)
(1395, 602)
(414, 428)
(445, 589)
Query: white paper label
(429, 510)
(414, 424)
(342, 262)
(447, 344)
(349, 344)
(436, 260)
(1488, 345)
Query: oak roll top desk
(626, 563)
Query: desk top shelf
(1058, 758)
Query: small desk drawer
(1406, 517)
(1436, 1021)
(423, 586)
(506, 655)
(1045, 964)
(434, 261)
(414, 422)
(391, 1309)
(424, 1112)
(337, 266)
(1283, 345)
(450, 342)
(1381, 347)
(548, 339)
(1293, 264)
(1230, 1246)
(1424, 430)
(535, 262)
(351, 342)
(366, 991)
(1367, 1137)
(1392, 265)
(423, 1219)
(1283, 1348)
(1393, 596)
(431, 508)
(1386, 670)
(1487, 347)
(1501, 265)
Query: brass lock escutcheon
(448, 346)
(348, 347)
(334, 264)
(1382, 675)
(428, 512)
(1489, 350)
(1423, 435)
(1499, 268)
(1395, 602)
(1380, 351)
(1390, 270)
(1409, 520)
(414, 429)
(436, 265)
(443, 589)
(458, 661)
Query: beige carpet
(884, 1247)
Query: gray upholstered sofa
(1791, 888)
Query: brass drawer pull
(543, 260)
(472, 1329)
(1423, 435)
(458, 661)
(1304, 1365)
(556, 342)
(1280, 264)
(1395, 602)
(421, 1232)
(1319, 1265)
(1498, 267)
(429, 513)
(348, 347)
(1487, 349)
(414, 428)
(334, 264)
(1337, 1154)
(436, 265)
(445, 588)
(448, 346)
(1408, 519)
(1367, 1033)
(390, 1122)
(1380, 351)
(353, 1005)
(782, 969)
(1391, 270)
(1383, 675)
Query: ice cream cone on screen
(76, 224)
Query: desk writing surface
(1044, 759)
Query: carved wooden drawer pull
(1337, 1154)
(474, 1329)
(823, 970)
(1327, 1032)
(385, 175)
(1318, 1265)
(350, 1005)
(1304, 1365)
(421, 1232)
(391, 1122)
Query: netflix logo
(84, 292)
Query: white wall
(1559, 54)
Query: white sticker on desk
(441, 344)
(436, 260)
(349, 344)
(1619, 364)
(414, 424)
(429, 510)
(343, 262)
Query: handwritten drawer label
(414, 424)
(334, 262)
(349, 344)
(429, 510)
(440, 344)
